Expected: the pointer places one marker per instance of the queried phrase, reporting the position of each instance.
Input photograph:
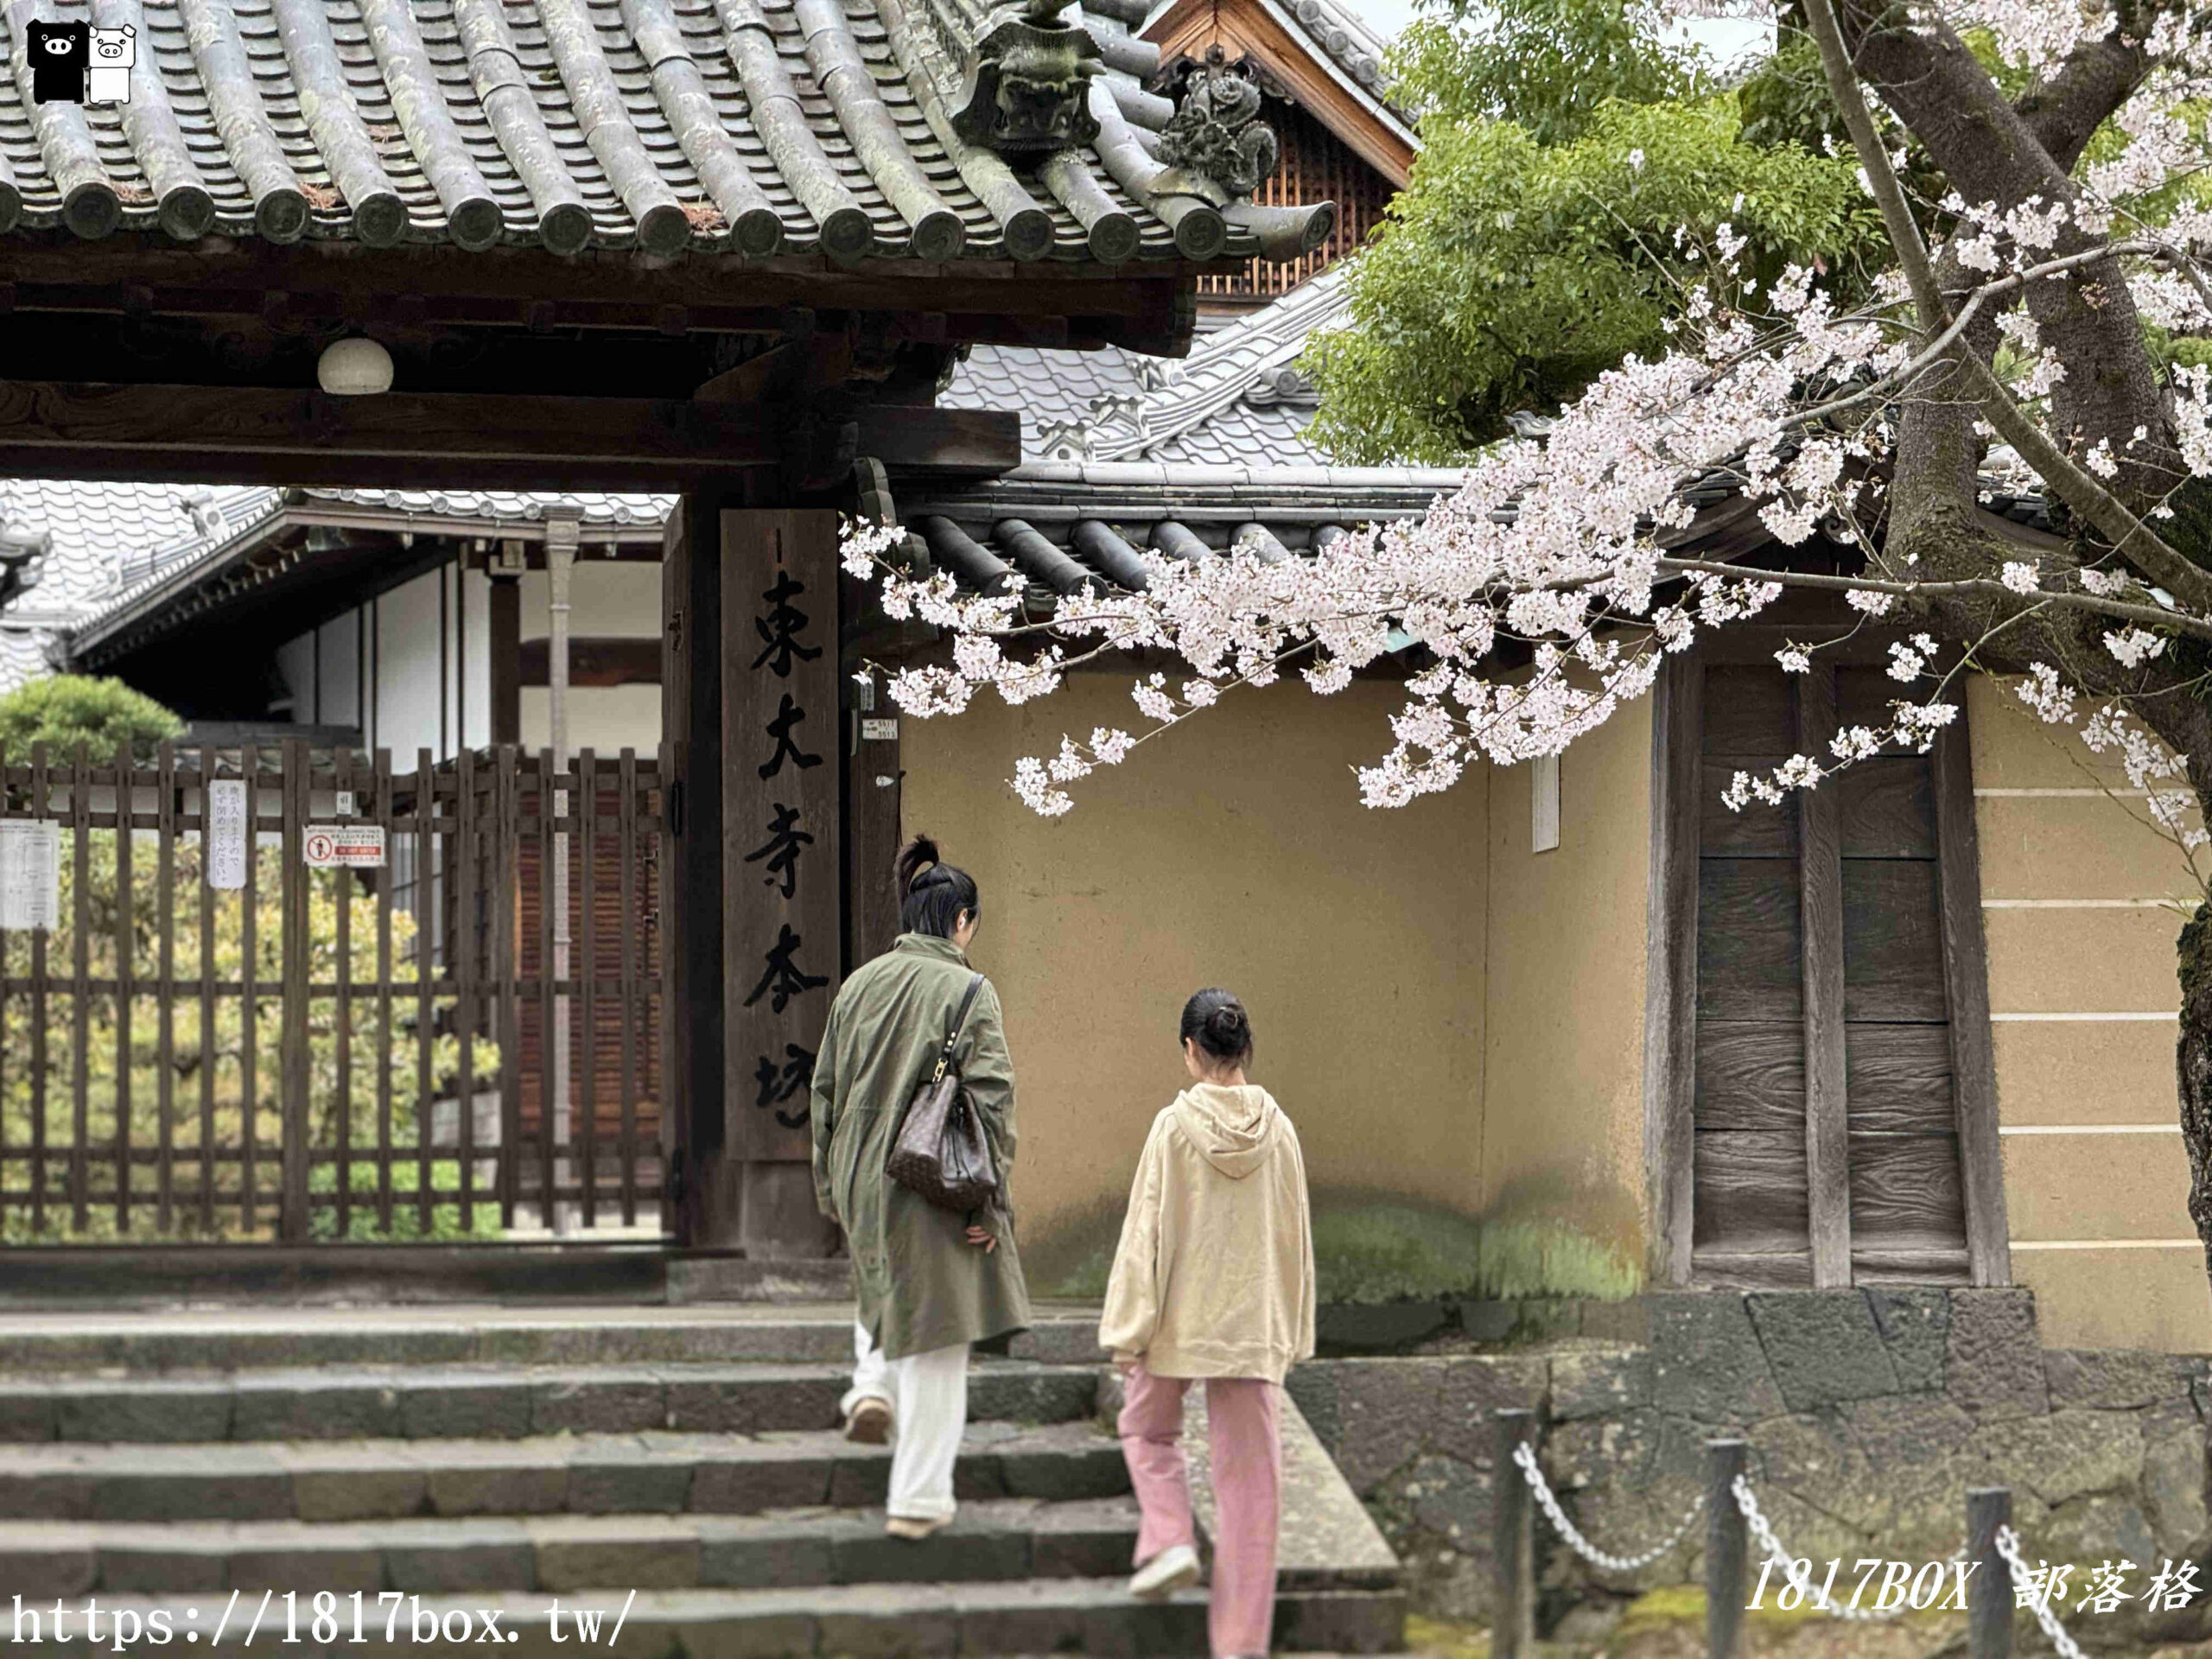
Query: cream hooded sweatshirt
(1215, 1272)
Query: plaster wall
(2082, 903)
(1232, 851)
(406, 703)
(417, 698)
(1562, 1093)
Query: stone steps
(448, 1402)
(656, 1472)
(994, 1539)
(680, 1462)
(375, 1339)
(1035, 1616)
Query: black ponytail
(1215, 1020)
(931, 894)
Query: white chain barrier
(2008, 1546)
(1525, 1455)
(2026, 1589)
(1814, 1595)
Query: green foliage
(205, 1074)
(1512, 274)
(1544, 65)
(362, 1224)
(66, 710)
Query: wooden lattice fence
(326, 1053)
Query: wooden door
(1828, 1053)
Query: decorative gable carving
(1217, 148)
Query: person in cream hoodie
(1214, 1279)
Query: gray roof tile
(373, 121)
(1237, 399)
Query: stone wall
(1870, 1413)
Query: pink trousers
(1241, 1425)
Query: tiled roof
(1056, 526)
(1344, 35)
(1237, 399)
(24, 656)
(1353, 50)
(743, 127)
(509, 507)
(93, 543)
(431, 511)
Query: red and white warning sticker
(349, 846)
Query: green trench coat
(920, 1284)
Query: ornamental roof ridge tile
(738, 127)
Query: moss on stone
(1384, 1251)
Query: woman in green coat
(929, 1281)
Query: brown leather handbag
(942, 1151)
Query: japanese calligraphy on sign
(781, 917)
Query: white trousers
(929, 1410)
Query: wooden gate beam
(254, 434)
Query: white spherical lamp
(354, 368)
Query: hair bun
(1228, 1021)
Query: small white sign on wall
(1543, 803)
(30, 874)
(226, 834)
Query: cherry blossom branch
(2129, 536)
(2147, 615)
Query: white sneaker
(1174, 1568)
(869, 1421)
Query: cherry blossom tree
(2019, 335)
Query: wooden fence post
(1989, 1594)
(1513, 1544)
(296, 1151)
(1725, 1550)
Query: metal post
(560, 537)
(1513, 1543)
(1989, 1587)
(1726, 1549)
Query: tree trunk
(2193, 1065)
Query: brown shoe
(900, 1526)
(869, 1422)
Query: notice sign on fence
(349, 846)
(30, 874)
(226, 835)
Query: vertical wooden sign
(782, 915)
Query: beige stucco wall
(1233, 851)
(1563, 1081)
(611, 598)
(2080, 906)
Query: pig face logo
(59, 55)
(115, 54)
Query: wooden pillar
(505, 665)
(783, 909)
(873, 773)
(699, 1209)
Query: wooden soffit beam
(419, 286)
(1240, 27)
(463, 440)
